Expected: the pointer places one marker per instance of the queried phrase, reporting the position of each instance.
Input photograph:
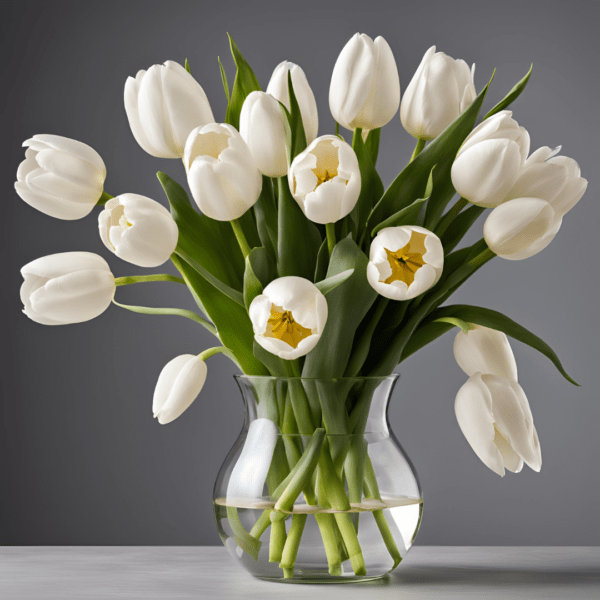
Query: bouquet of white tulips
(301, 263)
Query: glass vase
(317, 488)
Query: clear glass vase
(317, 488)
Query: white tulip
(490, 160)
(486, 351)
(405, 261)
(325, 179)
(60, 177)
(178, 385)
(278, 88)
(288, 317)
(138, 230)
(556, 179)
(221, 171)
(70, 287)
(494, 415)
(440, 90)
(365, 87)
(262, 127)
(520, 228)
(163, 104)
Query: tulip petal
(68, 146)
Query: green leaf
(187, 66)
(329, 284)
(411, 182)
(425, 334)
(322, 262)
(275, 364)
(298, 239)
(459, 227)
(265, 213)
(512, 95)
(496, 320)
(231, 319)
(260, 271)
(347, 305)
(224, 79)
(408, 215)
(179, 312)
(295, 137)
(245, 82)
(372, 144)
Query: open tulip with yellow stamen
(405, 261)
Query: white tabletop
(428, 572)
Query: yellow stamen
(323, 175)
(406, 261)
(282, 326)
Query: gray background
(83, 462)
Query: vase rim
(392, 376)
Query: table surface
(428, 572)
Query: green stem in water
(277, 541)
(447, 219)
(147, 279)
(331, 241)
(420, 145)
(292, 543)
(241, 238)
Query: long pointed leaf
(512, 95)
(329, 284)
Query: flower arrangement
(304, 267)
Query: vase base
(311, 578)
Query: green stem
(447, 219)
(420, 145)
(331, 241)
(212, 351)
(292, 543)
(356, 135)
(147, 279)
(104, 199)
(241, 238)
(337, 128)
(327, 527)
(277, 541)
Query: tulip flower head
(138, 230)
(486, 351)
(494, 415)
(262, 127)
(70, 287)
(60, 177)
(365, 86)
(440, 90)
(405, 261)
(222, 174)
(278, 88)
(163, 104)
(288, 317)
(179, 384)
(325, 179)
(489, 162)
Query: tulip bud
(486, 351)
(494, 415)
(325, 179)
(138, 230)
(163, 105)
(520, 228)
(179, 384)
(289, 317)
(489, 162)
(405, 261)
(440, 90)
(278, 88)
(60, 177)
(221, 172)
(262, 127)
(70, 287)
(365, 87)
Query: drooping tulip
(138, 230)
(494, 415)
(325, 179)
(440, 90)
(365, 86)
(70, 287)
(179, 384)
(278, 88)
(163, 105)
(60, 177)
(486, 351)
(262, 127)
(405, 261)
(489, 162)
(222, 174)
(289, 317)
